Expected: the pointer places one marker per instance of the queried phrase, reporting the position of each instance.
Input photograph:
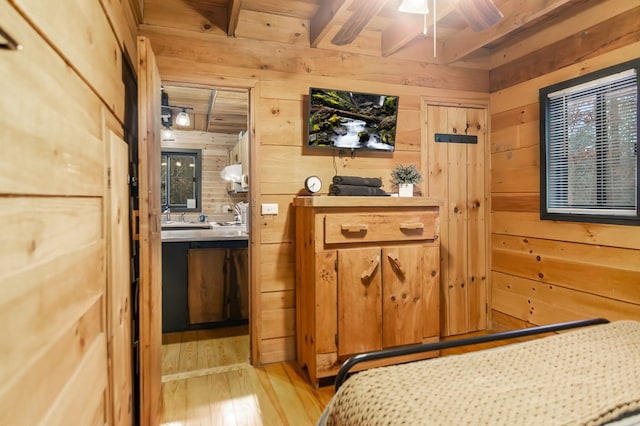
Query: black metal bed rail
(341, 377)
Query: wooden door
(403, 271)
(205, 285)
(458, 175)
(150, 303)
(359, 301)
(53, 248)
(119, 284)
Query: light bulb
(183, 119)
(414, 6)
(167, 133)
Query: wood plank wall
(62, 101)
(279, 69)
(543, 271)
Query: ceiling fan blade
(479, 14)
(362, 15)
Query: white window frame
(556, 163)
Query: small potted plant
(405, 177)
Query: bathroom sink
(179, 225)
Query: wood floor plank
(174, 402)
(245, 401)
(295, 412)
(267, 411)
(188, 355)
(198, 410)
(306, 393)
(271, 394)
(220, 400)
(171, 344)
(207, 347)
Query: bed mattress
(589, 376)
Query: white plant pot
(405, 190)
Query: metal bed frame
(343, 373)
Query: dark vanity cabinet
(204, 284)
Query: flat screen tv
(342, 119)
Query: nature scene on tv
(351, 120)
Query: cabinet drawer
(371, 227)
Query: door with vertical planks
(458, 168)
(403, 275)
(359, 300)
(119, 282)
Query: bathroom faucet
(167, 211)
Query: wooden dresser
(367, 277)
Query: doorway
(205, 310)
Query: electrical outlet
(269, 208)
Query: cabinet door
(206, 285)
(359, 304)
(403, 274)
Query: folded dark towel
(357, 180)
(355, 190)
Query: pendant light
(182, 119)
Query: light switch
(268, 208)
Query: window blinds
(591, 148)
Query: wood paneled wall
(215, 149)
(65, 356)
(279, 71)
(544, 271)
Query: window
(589, 147)
(180, 180)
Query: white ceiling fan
(479, 14)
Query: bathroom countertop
(215, 233)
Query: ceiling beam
(233, 14)
(516, 14)
(329, 13)
(366, 10)
(408, 26)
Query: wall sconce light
(167, 133)
(182, 119)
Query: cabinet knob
(371, 269)
(396, 265)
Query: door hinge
(109, 178)
(335, 264)
(335, 338)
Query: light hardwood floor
(207, 380)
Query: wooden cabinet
(217, 286)
(367, 277)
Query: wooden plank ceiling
(462, 36)
(214, 111)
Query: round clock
(313, 184)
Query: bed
(589, 374)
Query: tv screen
(342, 119)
